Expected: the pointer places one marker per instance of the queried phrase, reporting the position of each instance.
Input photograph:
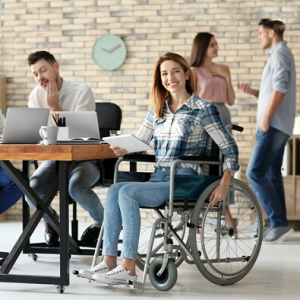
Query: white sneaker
(98, 269)
(117, 275)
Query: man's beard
(47, 80)
(267, 45)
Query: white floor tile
(276, 275)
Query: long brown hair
(200, 45)
(159, 93)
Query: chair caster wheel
(167, 279)
(33, 256)
(60, 289)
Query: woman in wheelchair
(181, 124)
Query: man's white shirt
(73, 96)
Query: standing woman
(180, 123)
(213, 82)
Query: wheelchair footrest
(128, 284)
(132, 285)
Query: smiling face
(173, 76)
(212, 49)
(43, 72)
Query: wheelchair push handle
(235, 127)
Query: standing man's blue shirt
(280, 75)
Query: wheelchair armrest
(235, 127)
(139, 158)
(200, 158)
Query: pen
(64, 122)
(54, 121)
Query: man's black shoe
(90, 235)
(51, 236)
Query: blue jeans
(122, 207)
(264, 174)
(9, 191)
(81, 179)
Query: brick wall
(149, 28)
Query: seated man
(9, 191)
(58, 94)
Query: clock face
(109, 52)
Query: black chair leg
(74, 222)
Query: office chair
(109, 118)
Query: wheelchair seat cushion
(191, 186)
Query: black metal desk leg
(26, 208)
(64, 223)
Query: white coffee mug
(49, 134)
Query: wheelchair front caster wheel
(33, 256)
(60, 289)
(167, 279)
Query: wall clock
(109, 52)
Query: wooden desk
(57, 153)
(64, 155)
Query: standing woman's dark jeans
(9, 191)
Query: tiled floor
(276, 275)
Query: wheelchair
(185, 228)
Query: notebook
(22, 125)
(80, 142)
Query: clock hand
(105, 50)
(115, 48)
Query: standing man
(275, 122)
(58, 94)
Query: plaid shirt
(189, 131)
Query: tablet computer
(128, 142)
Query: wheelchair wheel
(148, 217)
(223, 258)
(167, 279)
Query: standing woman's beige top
(210, 87)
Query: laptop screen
(22, 125)
(81, 124)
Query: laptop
(82, 125)
(22, 125)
